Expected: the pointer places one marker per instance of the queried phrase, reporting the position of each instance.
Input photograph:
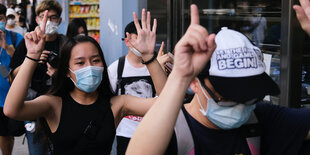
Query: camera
(53, 59)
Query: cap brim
(242, 89)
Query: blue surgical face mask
(88, 78)
(226, 117)
(2, 26)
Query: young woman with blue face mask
(80, 110)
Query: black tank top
(84, 129)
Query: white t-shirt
(128, 125)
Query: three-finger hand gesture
(145, 42)
(303, 14)
(35, 40)
(194, 49)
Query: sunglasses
(225, 103)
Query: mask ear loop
(209, 91)
(71, 77)
(204, 112)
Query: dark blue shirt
(282, 132)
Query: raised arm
(191, 54)
(15, 106)
(130, 105)
(303, 15)
(9, 49)
(145, 44)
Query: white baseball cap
(237, 70)
(10, 11)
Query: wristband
(151, 60)
(36, 60)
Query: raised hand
(303, 15)
(145, 43)
(3, 39)
(161, 51)
(35, 40)
(163, 58)
(194, 49)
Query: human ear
(126, 42)
(37, 20)
(194, 85)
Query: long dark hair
(74, 26)
(62, 85)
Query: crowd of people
(60, 88)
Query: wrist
(178, 77)
(147, 59)
(33, 56)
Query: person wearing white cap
(227, 90)
(11, 22)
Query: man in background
(129, 76)
(11, 22)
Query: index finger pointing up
(44, 21)
(194, 14)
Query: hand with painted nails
(145, 42)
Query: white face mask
(11, 22)
(50, 28)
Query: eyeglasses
(231, 103)
(222, 102)
(53, 18)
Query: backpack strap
(120, 68)
(184, 136)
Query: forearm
(13, 73)
(158, 75)
(15, 98)
(156, 128)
